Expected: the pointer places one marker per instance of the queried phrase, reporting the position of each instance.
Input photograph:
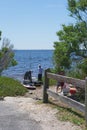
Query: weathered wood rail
(72, 103)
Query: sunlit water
(29, 60)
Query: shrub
(11, 87)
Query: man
(40, 71)
(28, 76)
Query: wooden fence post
(86, 102)
(45, 86)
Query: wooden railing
(72, 103)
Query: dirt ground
(44, 113)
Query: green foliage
(13, 62)
(78, 9)
(83, 66)
(80, 71)
(6, 55)
(72, 38)
(61, 59)
(76, 73)
(11, 87)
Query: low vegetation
(68, 114)
(11, 87)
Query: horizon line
(33, 49)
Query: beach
(44, 114)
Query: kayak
(29, 87)
(34, 82)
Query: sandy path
(42, 113)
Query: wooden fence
(72, 103)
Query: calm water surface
(29, 60)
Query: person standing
(40, 71)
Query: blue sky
(32, 24)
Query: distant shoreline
(33, 49)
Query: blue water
(29, 60)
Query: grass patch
(11, 87)
(52, 82)
(69, 114)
